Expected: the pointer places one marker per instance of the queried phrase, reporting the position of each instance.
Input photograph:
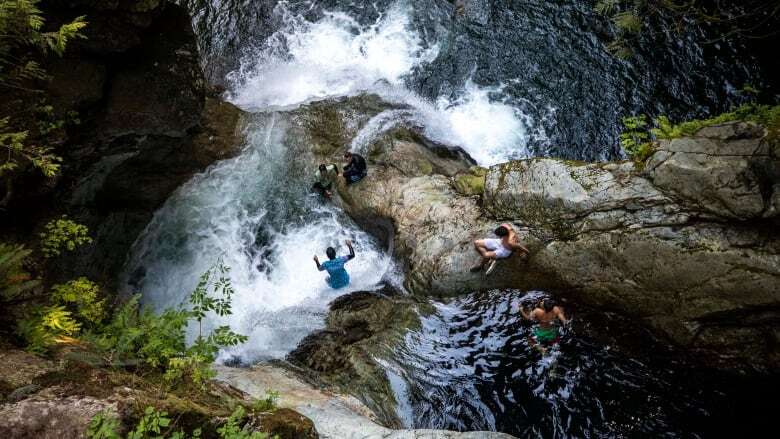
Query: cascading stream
(255, 212)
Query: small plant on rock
(63, 234)
(266, 404)
(635, 138)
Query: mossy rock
(285, 423)
(5, 389)
(471, 183)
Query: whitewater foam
(336, 56)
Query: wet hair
(331, 252)
(347, 155)
(501, 231)
(548, 305)
(323, 168)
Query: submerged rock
(360, 327)
(688, 245)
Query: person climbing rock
(355, 169)
(492, 249)
(338, 276)
(547, 314)
(325, 177)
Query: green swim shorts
(546, 335)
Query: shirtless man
(546, 333)
(492, 249)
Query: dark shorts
(354, 176)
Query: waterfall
(256, 213)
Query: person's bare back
(546, 318)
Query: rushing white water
(251, 212)
(336, 56)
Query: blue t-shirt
(338, 275)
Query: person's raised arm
(351, 250)
(514, 242)
(560, 315)
(317, 261)
(526, 315)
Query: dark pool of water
(470, 367)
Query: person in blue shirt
(335, 266)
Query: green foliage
(103, 425)
(23, 44)
(13, 143)
(15, 281)
(85, 295)
(266, 404)
(75, 305)
(203, 351)
(159, 341)
(47, 326)
(63, 234)
(22, 39)
(606, 7)
(765, 115)
(135, 333)
(158, 425)
(153, 421)
(232, 429)
(635, 138)
(49, 122)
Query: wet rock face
(149, 122)
(689, 248)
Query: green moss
(471, 183)
(764, 115)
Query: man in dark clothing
(355, 169)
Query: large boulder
(682, 261)
(360, 327)
(722, 170)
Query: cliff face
(148, 122)
(688, 245)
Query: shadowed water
(470, 367)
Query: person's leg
(486, 255)
(348, 176)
